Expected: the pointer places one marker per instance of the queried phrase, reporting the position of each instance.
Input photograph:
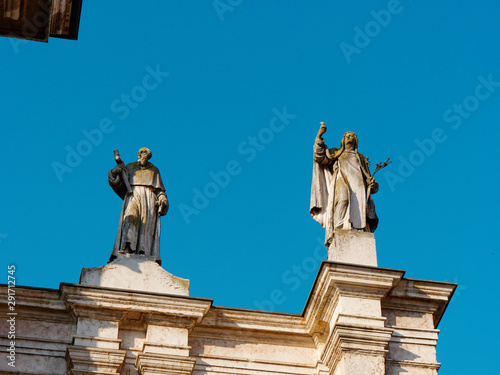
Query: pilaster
(413, 310)
(94, 361)
(106, 314)
(344, 316)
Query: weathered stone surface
(135, 272)
(358, 320)
(354, 247)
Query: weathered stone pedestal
(355, 247)
(135, 272)
(124, 326)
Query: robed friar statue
(342, 187)
(140, 186)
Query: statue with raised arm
(140, 186)
(342, 187)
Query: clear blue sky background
(421, 78)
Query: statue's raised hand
(118, 169)
(370, 181)
(322, 130)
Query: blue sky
(243, 89)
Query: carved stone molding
(94, 361)
(156, 364)
(360, 341)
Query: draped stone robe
(139, 219)
(339, 195)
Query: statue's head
(144, 155)
(350, 140)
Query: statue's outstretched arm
(321, 131)
(322, 154)
(123, 172)
(320, 148)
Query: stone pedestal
(135, 272)
(143, 329)
(355, 247)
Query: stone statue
(140, 186)
(342, 187)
